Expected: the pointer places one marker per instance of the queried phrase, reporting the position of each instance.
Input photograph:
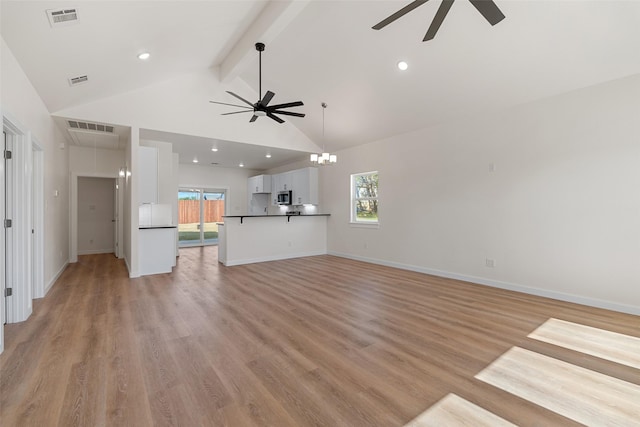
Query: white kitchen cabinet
(156, 250)
(147, 175)
(280, 182)
(259, 184)
(305, 186)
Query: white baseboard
(593, 302)
(96, 251)
(272, 258)
(55, 277)
(132, 274)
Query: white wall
(87, 161)
(22, 104)
(560, 214)
(95, 215)
(131, 212)
(231, 179)
(21, 101)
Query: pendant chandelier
(324, 158)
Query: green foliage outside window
(364, 197)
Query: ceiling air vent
(73, 81)
(73, 124)
(62, 17)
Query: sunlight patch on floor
(619, 348)
(583, 395)
(452, 410)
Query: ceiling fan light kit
(262, 107)
(487, 8)
(324, 158)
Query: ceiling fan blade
(267, 98)
(240, 98)
(408, 8)
(231, 105)
(287, 113)
(489, 10)
(237, 112)
(444, 8)
(253, 119)
(287, 105)
(277, 119)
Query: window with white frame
(364, 198)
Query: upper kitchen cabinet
(282, 182)
(259, 184)
(147, 175)
(305, 186)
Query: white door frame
(7, 234)
(37, 220)
(2, 259)
(73, 217)
(201, 190)
(22, 299)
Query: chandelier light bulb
(323, 158)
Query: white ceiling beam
(273, 19)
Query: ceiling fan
(487, 8)
(262, 107)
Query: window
(364, 198)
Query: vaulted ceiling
(325, 51)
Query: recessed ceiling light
(403, 65)
(144, 56)
(195, 160)
(241, 165)
(214, 149)
(268, 156)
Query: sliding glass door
(199, 209)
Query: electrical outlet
(365, 245)
(290, 244)
(489, 263)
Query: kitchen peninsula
(245, 239)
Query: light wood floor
(310, 341)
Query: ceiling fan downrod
(260, 49)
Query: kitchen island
(245, 239)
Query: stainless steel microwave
(284, 197)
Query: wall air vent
(74, 81)
(73, 124)
(62, 17)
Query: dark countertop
(150, 227)
(288, 216)
(278, 215)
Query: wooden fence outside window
(189, 211)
